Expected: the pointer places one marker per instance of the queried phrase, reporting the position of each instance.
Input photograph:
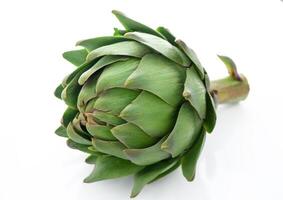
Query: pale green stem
(230, 89)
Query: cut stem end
(230, 89)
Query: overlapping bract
(138, 104)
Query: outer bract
(138, 104)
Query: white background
(242, 159)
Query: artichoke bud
(138, 104)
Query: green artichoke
(138, 103)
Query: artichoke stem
(230, 89)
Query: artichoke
(139, 103)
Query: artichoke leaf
(87, 93)
(76, 57)
(147, 156)
(132, 136)
(61, 131)
(110, 167)
(100, 131)
(168, 171)
(132, 25)
(210, 119)
(160, 76)
(167, 34)
(160, 45)
(195, 92)
(68, 116)
(114, 148)
(108, 118)
(126, 48)
(76, 136)
(91, 159)
(58, 91)
(104, 61)
(150, 173)
(193, 57)
(114, 100)
(71, 92)
(79, 126)
(115, 75)
(95, 43)
(154, 116)
(89, 117)
(89, 106)
(185, 132)
(80, 147)
(190, 158)
(79, 70)
(72, 89)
